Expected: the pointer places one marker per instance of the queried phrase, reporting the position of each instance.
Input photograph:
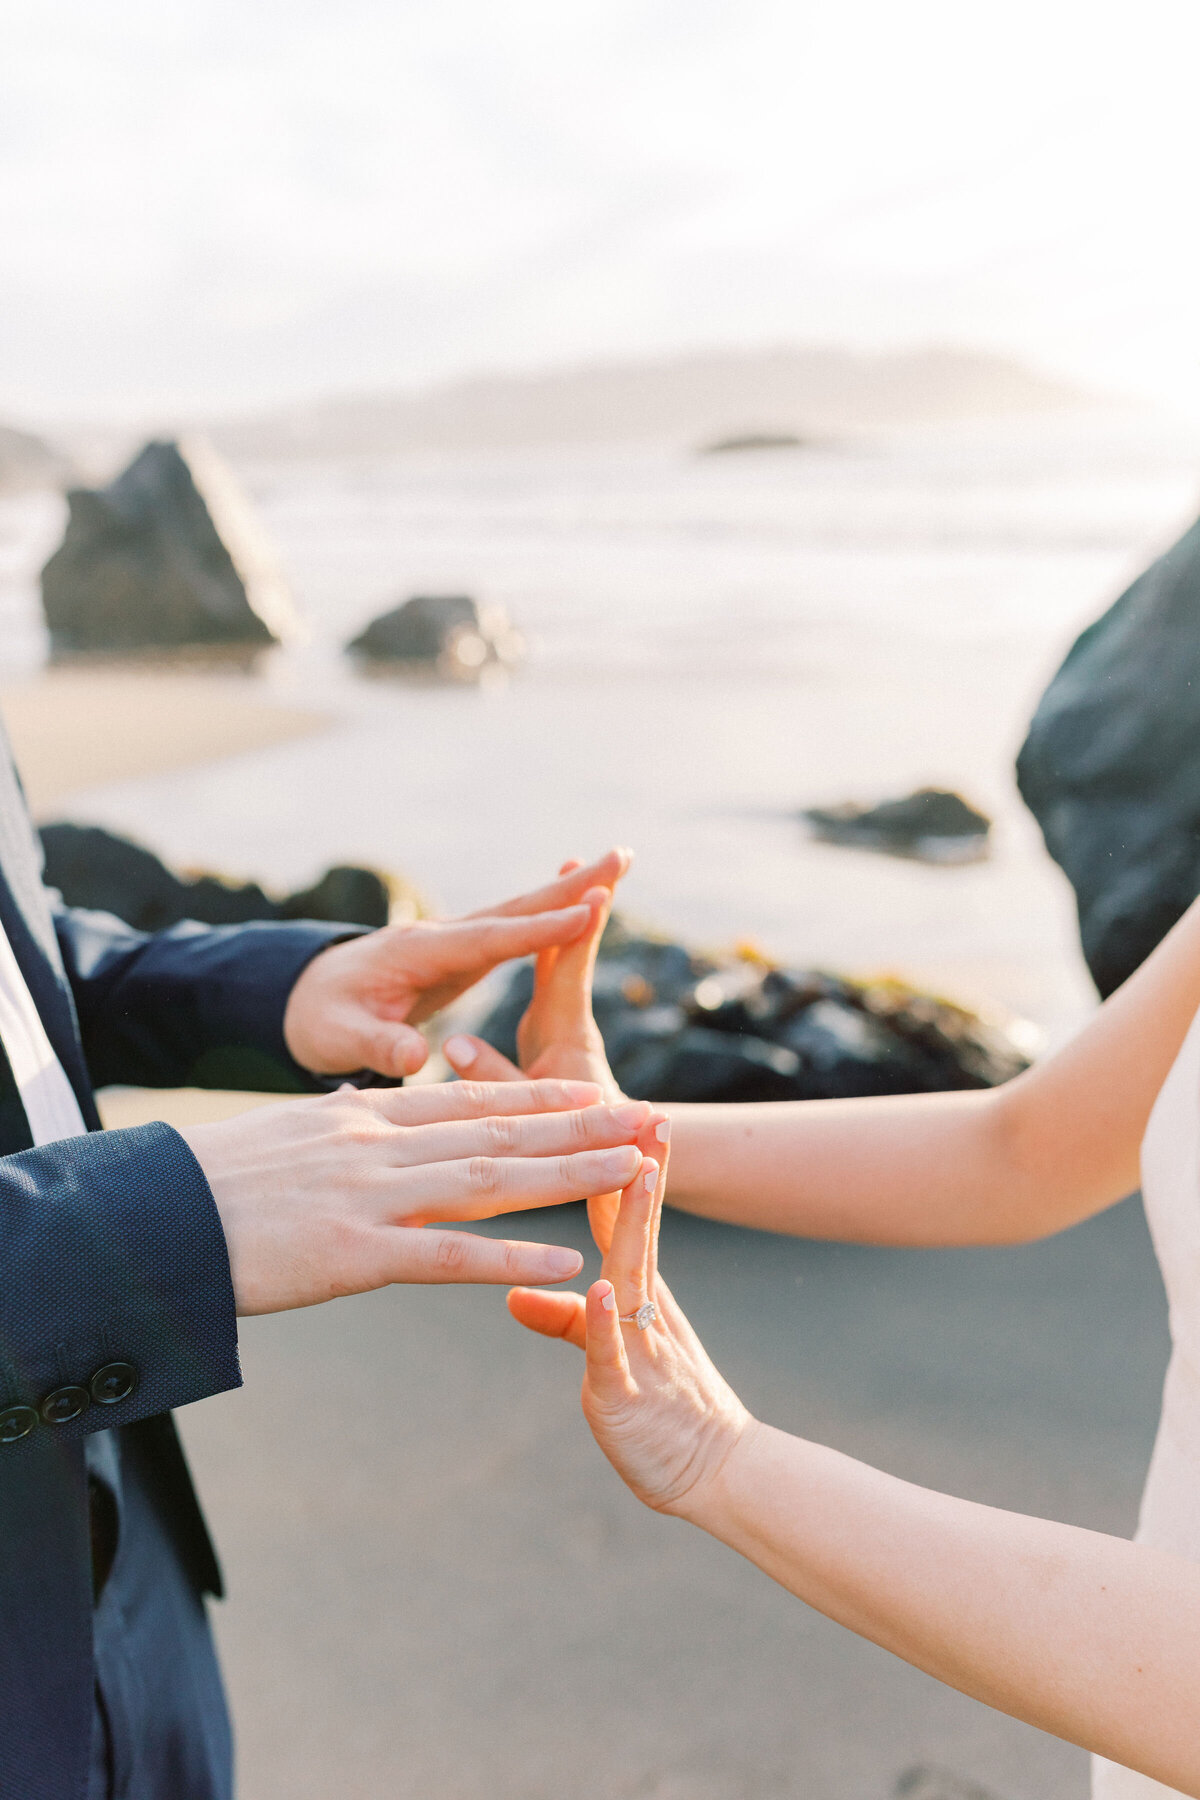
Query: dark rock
(932, 824)
(96, 869)
(678, 1026)
(362, 896)
(163, 557)
(928, 1782)
(754, 440)
(1111, 766)
(451, 632)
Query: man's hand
(357, 1004)
(323, 1197)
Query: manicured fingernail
(619, 1165)
(662, 1131)
(609, 1301)
(562, 1264)
(632, 1114)
(581, 1093)
(460, 1051)
(650, 1175)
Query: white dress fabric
(1170, 1514)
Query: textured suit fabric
(111, 1249)
(160, 1730)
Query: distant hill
(689, 401)
(27, 461)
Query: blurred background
(786, 386)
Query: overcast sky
(219, 203)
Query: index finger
(495, 937)
(606, 871)
(433, 1102)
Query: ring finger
(479, 1187)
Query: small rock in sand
(448, 632)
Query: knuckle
(501, 1134)
(362, 1130)
(453, 1253)
(484, 1176)
(514, 1261)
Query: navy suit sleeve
(194, 1006)
(113, 1254)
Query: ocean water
(714, 642)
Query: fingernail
(609, 1301)
(581, 1093)
(619, 1165)
(562, 1264)
(632, 1114)
(460, 1051)
(650, 1175)
(662, 1131)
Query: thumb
(391, 1049)
(550, 1314)
(568, 991)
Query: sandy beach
(75, 728)
(83, 727)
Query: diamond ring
(645, 1315)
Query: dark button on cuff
(16, 1422)
(114, 1382)
(64, 1404)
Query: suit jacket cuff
(114, 1260)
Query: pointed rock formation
(167, 555)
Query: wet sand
(76, 728)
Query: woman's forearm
(996, 1166)
(918, 1169)
(1089, 1637)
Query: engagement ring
(645, 1315)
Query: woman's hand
(659, 1410)
(320, 1198)
(558, 1036)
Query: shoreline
(75, 728)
